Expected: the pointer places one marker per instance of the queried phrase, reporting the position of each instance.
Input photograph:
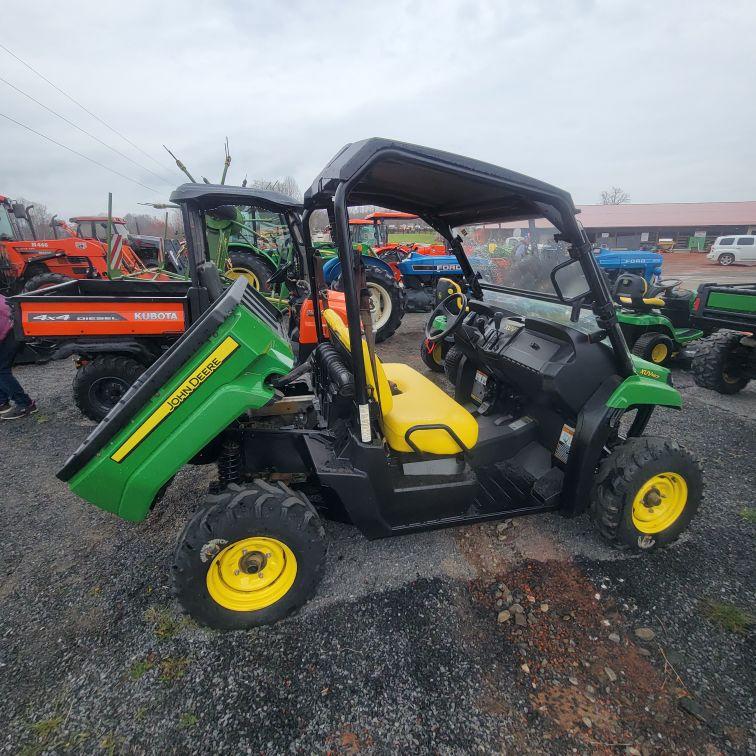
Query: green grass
(164, 623)
(173, 668)
(749, 515)
(727, 615)
(422, 237)
(140, 668)
(187, 720)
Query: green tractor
(548, 415)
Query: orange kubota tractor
(28, 262)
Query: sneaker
(16, 413)
(5, 407)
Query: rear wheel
(719, 363)
(387, 301)
(654, 347)
(99, 385)
(451, 363)
(646, 493)
(256, 270)
(45, 280)
(252, 557)
(726, 259)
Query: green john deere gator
(549, 410)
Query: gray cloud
(653, 97)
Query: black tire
(452, 358)
(716, 364)
(433, 360)
(258, 510)
(654, 347)
(375, 277)
(259, 267)
(620, 477)
(43, 280)
(99, 384)
(726, 259)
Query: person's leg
(9, 386)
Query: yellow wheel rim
(436, 354)
(659, 502)
(659, 353)
(251, 574)
(234, 273)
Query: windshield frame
(10, 224)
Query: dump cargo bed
(725, 306)
(216, 371)
(97, 308)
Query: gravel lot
(401, 649)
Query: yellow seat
(418, 402)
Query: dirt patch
(587, 678)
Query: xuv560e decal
(196, 378)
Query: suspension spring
(229, 463)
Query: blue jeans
(10, 388)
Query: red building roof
(669, 215)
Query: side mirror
(569, 282)
(20, 211)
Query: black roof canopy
(433, 183)
(209, 196)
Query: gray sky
(655, 97)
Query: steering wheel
(453, 319)
(668, 284)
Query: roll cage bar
(446, 191)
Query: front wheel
(654, 347)
(432, 355)
(646, 493)
(726, 259)
(45, 281)
(253, 556)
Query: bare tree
(287, 185)
(614, 196)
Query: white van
(729, 249)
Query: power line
(84, 131)
(70, 149)
(77, 103)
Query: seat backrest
(209, 277)
(338, 328)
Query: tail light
(697, 303)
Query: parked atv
(536, 423)
(725, 361)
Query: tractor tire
(259, 530)
(451, 363)
(257, 270)
(389, 299)
(646, 493)
(654, 347)
(44, 280)
(382, 285)
(432, 359)
(715, 363)
(100, 384)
